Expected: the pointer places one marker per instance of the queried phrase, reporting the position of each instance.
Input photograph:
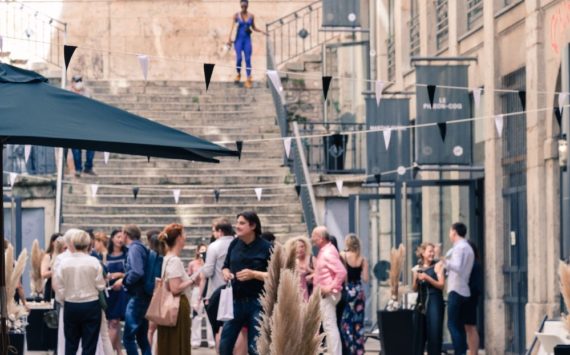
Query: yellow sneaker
(248, 83)
(238, 78)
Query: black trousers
(434, 323)
(81, 321)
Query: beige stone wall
(179, 34)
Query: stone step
(214, 85)
(206, 118)
(205, 101)
(188, 106)
(204, 190)
(175, 170)
(181, 179)
(228, 198)
(235, 91)
(133, 161)
(225, 208)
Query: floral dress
(352, 323)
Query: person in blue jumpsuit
(245, 22)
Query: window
(390, 42)
(414, 26)
(474, 13)
(441, 24)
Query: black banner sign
(432, 146)
(393, 114)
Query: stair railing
(298, 33)
(31, 33)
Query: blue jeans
(136, 326)
(246, 313)
(89, 154)
(456, 322)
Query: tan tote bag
(164, 306)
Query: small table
(39, 336)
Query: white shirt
(79, 278)
(459, 266)
(215, 257)
(172, 267)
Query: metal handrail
(534, 339)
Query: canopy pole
(60, 155)
(3, 300)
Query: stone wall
(179, 35)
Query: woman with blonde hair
(352, 322)
(429, 280)
(299, 249)
(175, 340)
(46, 267)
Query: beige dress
(176, 340)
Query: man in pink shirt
(328, 277)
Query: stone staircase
(225, 113)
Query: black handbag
(51, 319)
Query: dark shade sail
(34, 112)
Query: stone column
(494, 224)
(543, 242)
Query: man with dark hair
(459, 263)
(136, 325)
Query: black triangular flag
(415, 171)
(68, 53)
(442, 129)
(135, 192)
(558, 115)
(431, 94)
(326, 85)
(522, 97)
(208, 70)
(216, 195)
(239, 147)
(148, 158)
(378, 178)
(298, 190)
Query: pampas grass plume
(311, 315)
(36, 269)
(396, 262)
(564, 274)
(13, 274)
(287, 329)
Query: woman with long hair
(429, 280)
(352, 323)
(118, 298)
(196, 301)
(245, 22)
(175, 340)
(46, 267)
(100, 244)
(299, 249)
(246, 266)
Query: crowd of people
(101, 280)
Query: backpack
(152, 270)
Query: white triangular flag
(287, 144)
(379, 89)
(143, 61)
(339, 186)
(387, 132)
(477, 97)
(27, 152)
(106, 156)
(13, 179)
(258, 191)
(562, 99)
(1, 44)
(94, 188)
(276, 81)
(499, 124)
(176, 194)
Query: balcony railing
(442, 24)
(29, 34)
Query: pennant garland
(258, 191)
(275, 79)
(148, 159)
(377, 178)
(477, 97)
(387, 132)
(208, 70)
(379, 89)
(298, 190)
(13, 179)
(339, 184)
(326, 85)
(442, 129)
(106, 156)
(239, 147)
(499, 122)
(558, 115)
(67, 54)
(94, 188)
(561, 99)
(1, 44)
(216, 195)
(176, 194)
(287, 144)
(27, 152)
(143, 61)
(431, 94)
(522, 97)
(135, 192)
